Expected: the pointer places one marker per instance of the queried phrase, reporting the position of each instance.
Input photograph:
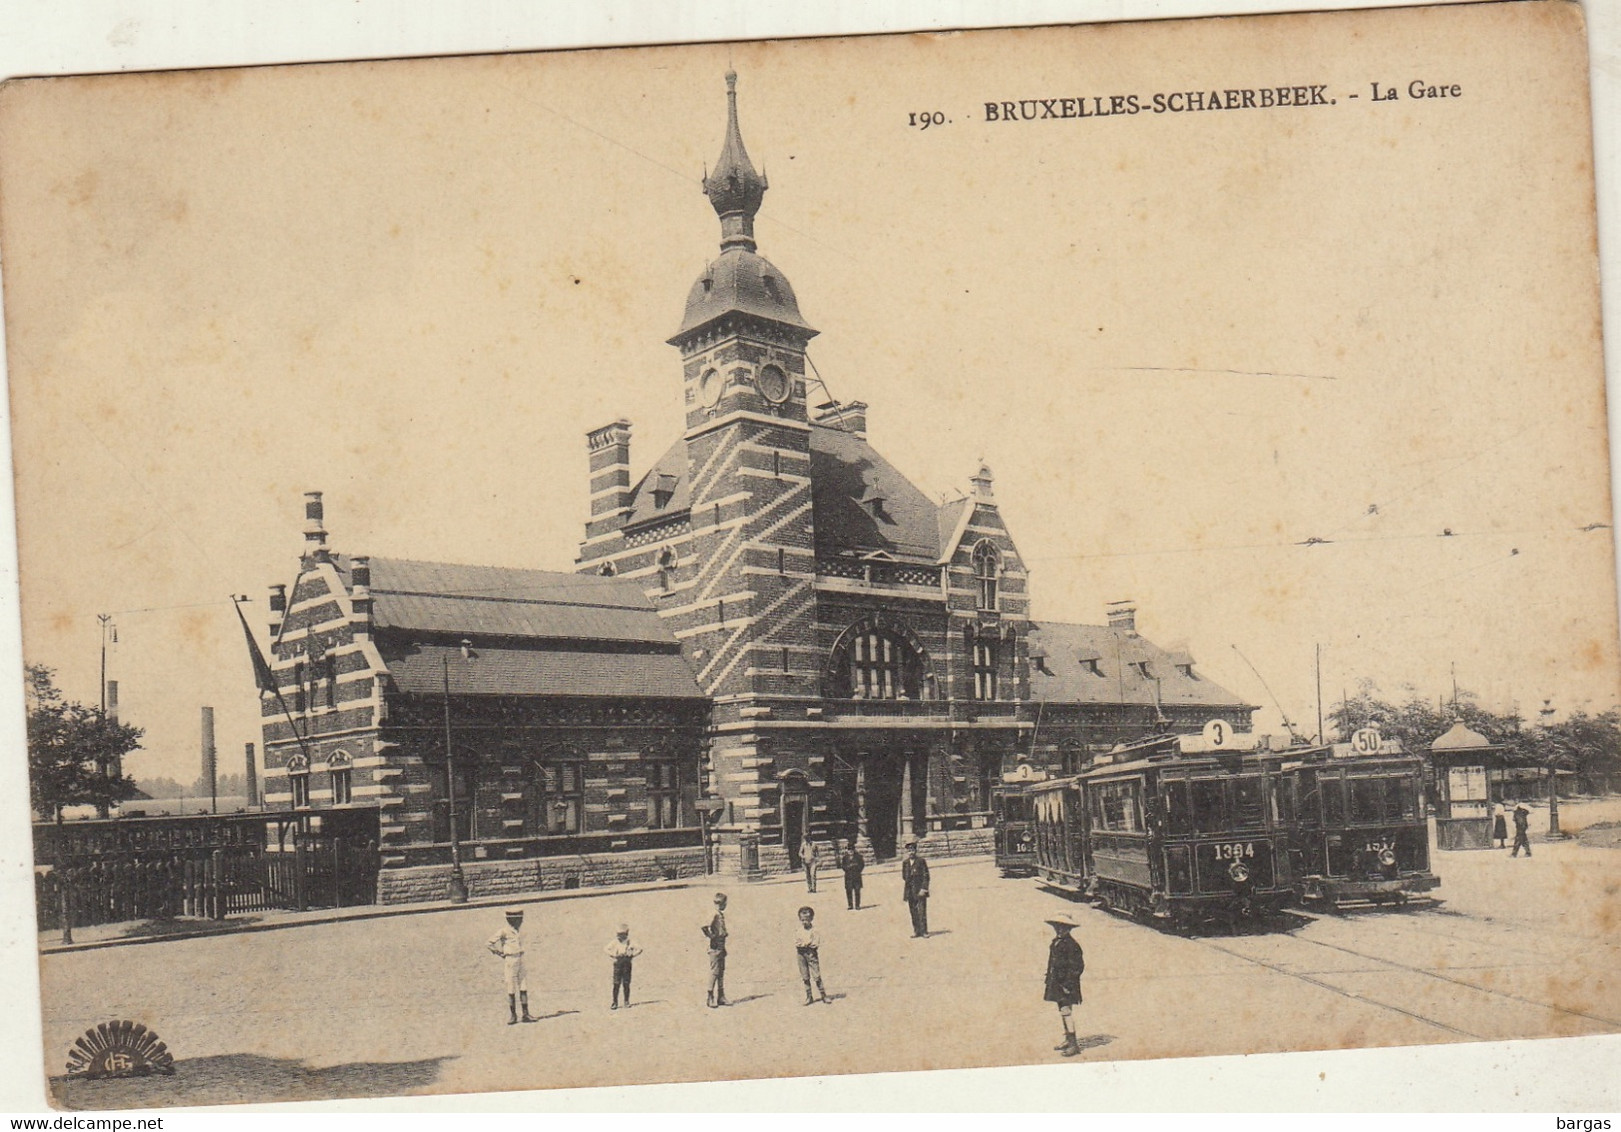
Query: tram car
(1175, 829)
(1360, 833)
(1015, 831)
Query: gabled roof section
(541, 671)
(896, 517)
(496, 601)
(1094, 664)
(643, 502)
(952, 517)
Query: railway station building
(870, 656)
(772, 634)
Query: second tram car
(1360, 832)
(1175, 828)
(1015, 832)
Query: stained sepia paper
(1282, 331)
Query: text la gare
(1418, 88)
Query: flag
(261, 670)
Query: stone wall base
(773, 859)
(541, 874)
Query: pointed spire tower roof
(740, 281)
(734, 188)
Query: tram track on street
(1354, 996)
(1385, 962)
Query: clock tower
(746, 621)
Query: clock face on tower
(774, 385)
(710, 388)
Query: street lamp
(1547, 714)
(458, 882)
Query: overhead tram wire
(1290, 727)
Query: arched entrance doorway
(794, 796)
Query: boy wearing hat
(1064, 966)
(714, 930)
(1522, 837)
(808, 948)
(507, 945)
(622, 951)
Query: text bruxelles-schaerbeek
(1177, 102)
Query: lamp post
(1547, 714)
(458, 882)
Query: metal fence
(315, 872)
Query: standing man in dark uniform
(852, 862)
(1064, 966)
(915, 879)
(715, 931)
(1522, 835)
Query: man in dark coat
(1522, 837)
(915, 879)
(852, 862)
(1064, 966)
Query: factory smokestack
(209, 763)
(251, 777)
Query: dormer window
(1187, 670)
(987, 568)
(1143, 669)
(1090, 666)
(663, 490)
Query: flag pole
(265, 678)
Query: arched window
(877, 663)
(338, 767)
(667, 563)
(987, 566)
(298, 776)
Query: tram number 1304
(1234, 850)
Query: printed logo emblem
(119, 1049)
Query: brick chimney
(609, 450)
(360, 595)
(314, 526)
(849, 416)
(982, 482)
(1123, 616)
(278, 609)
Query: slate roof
(1059, 672)
(847, 475)
(741, 281)
(541, 671)
(642, 504)
(495, 601)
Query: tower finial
(733, 187)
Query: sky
(1243, 368)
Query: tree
(75, 753)
(1418, 722)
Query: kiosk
(1465, 793)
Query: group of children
(1065, 964)
(507, 945)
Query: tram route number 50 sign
(1366, 741)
